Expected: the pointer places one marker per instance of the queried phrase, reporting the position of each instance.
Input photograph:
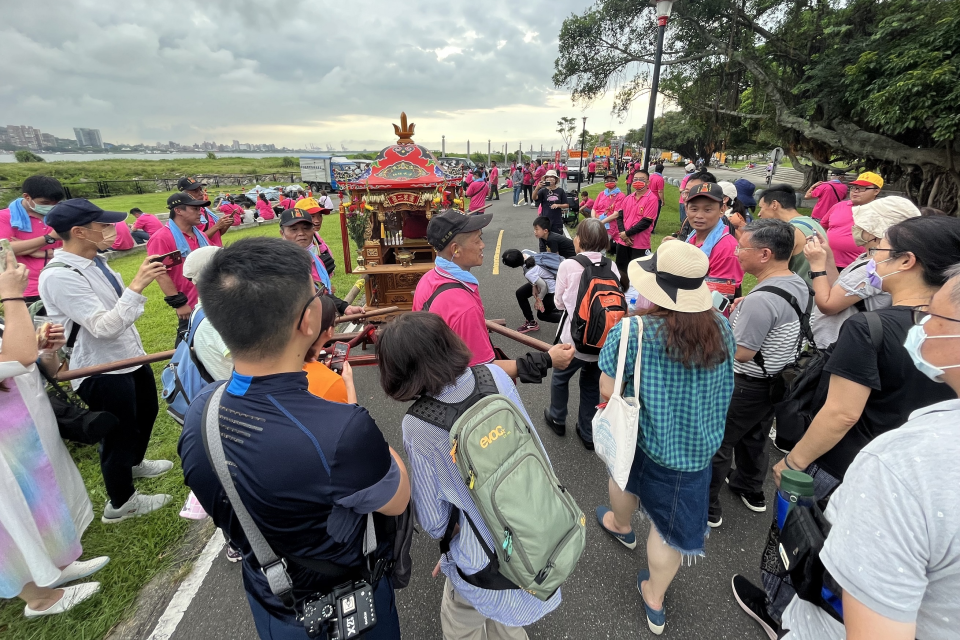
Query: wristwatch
(816, 274)
(49, 239)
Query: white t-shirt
(212, 351)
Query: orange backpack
(600, 305)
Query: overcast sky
(291, 72)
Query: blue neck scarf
(611, 192)
(715, 236)
(182, 246)
(19, 218)
(321, 271)
(208, 213)
(454, 270)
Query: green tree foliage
(567, 128)
(211, 155)
(24, 155)
(862, 82)
(288, 161)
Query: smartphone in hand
(169, 260)
(341, 351)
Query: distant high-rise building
(48, 140)
(236, 145)
(23, 136)
(88, 137)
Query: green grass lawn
(139, 549)
(157, 202)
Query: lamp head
(664, 9)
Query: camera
(345, 612)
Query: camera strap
(272, 567)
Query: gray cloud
(285, 71)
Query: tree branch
(738, 114)
(665, 63)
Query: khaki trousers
(460, 621)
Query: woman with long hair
(686, 382)
(263, 207)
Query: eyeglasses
(872, 252)
(919, 316)
(738, 249)
(321, 289)
(859, 188)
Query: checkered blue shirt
(437, 484)
(682, 410)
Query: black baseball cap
(293, 216)
(185, 200)
(444, 226)
(707, 190)
(187, 183)
(77, 212)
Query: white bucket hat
(673, 277)
(881, 214)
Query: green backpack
(540, 531)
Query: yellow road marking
(496, 255)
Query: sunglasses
(321, 289)
(919, 316)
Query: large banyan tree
(863, 82)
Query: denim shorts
(676, 502)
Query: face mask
(857, 234)
(914, 343)
(42, 209)
(610, 185)
(639, 185)
(874, 279)
(108, 237)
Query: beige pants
(460, 621)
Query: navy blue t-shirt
(307, 470)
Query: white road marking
(167, 624)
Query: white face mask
(914, 346)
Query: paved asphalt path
(600, 600)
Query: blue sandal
(656, 618)
(629, 540)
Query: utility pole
(583, 138)
(443, 145)
(664, 8)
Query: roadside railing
(91, 189)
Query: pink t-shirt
(723, 263)
(827, 195)
(162, 242)
(477, 192)
(462, 310)
(234, 210)
(149, 223)
(592, 167)
(124, 239)
(587, 204)
(468, 178)
(563, 172)
(539, 173)
(287, 203)
(266, 211)
(34, 265)
(635, 209)
(606, 205)
(838, 222)
(494, 175)
(656, 184)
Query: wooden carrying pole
(525, 340)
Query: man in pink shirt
(30, 238)
(477, 191)
(591, 171)
(494, 182)
(145, 226)
(827, 194)
(124, 239)
(608, 202)
(838, 221)
(181, 233)
(453, 293)
(635, 224)
(212, 224)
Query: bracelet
(786, 461)
(22, 299)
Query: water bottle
(796, 487)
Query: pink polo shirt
(124, 239)
(723, 263)
(162, 242)
(592, 167)
(838, 222)
(827, 195)
(34, 265)
(148, 222)
(634, 210)
(605, 205)
(656, 184)
(477, 192)
(462, 310)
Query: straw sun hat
(673, 277)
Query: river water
(87, 157)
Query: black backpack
(806, 387)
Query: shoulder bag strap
(444, 414)
(272, 567)
(622, 358)
(75, 327)
(875, 326)
(441, 289)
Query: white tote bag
(615, 426)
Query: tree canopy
(862, 82)
(25, 155)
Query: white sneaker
(72, 596)
(80, 569)
(138, 505)
(151, 468)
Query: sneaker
(629, 540)
(714, 519)
(557, 427)
(138, 505)
(233, 555)
(80, 569)
(587, 444)
(753, 501)
(151, 468)
(753, 600)
(72, 596)
(656, 618)
(528, 326)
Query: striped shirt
(437, 484)
(767, 323)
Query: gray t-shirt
(767, 323)
(853, 280)
(895, 541)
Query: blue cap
(78, 212)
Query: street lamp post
(664, 8)
(443, 145)
(583, 138)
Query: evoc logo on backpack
(486, 440)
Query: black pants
(494, 191)
(624, 256)
(29, 299)
(746, 435)
(657, 219)
(528, 193)
(590, 176)
(550, 312)
(132, 398)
